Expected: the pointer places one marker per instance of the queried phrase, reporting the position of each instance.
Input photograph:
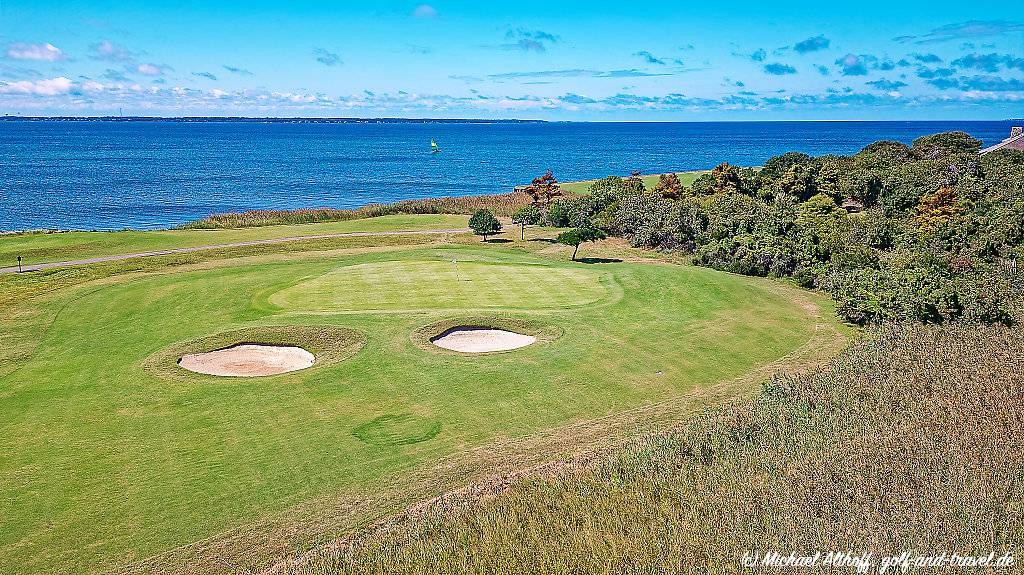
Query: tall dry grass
(913, 440)
(501, 204)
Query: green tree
(797, 181)
(484, 223)
(634, 184)
(904, 186)
(778, 165)
(577, 236)
(527, 216)
(884, 154)
(612, 186)
(945, 144)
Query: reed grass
(501, 204)
(912, 441)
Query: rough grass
(583, 187)
(500, 204)
(911, 441)
(106, 464)
(64, 246)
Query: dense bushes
(935, 237)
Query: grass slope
(910, 442)
(54, 247)
(583, 187)
(106, 462)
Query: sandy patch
(248, 360)
(481, 340)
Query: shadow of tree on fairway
(599, 260)
(498, 241)
(544, 240)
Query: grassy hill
(114, 456)
(909, 442)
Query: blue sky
(650, 61)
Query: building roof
(1015, 142)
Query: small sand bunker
(248, 360)
(481, 340)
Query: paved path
(37, 267)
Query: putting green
(417, 285)
(105, 461)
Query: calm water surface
(112, 175)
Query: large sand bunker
(248, 360)
(481, 339)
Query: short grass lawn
(106, 461)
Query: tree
(634, 184)
(797, 181)
(945, 144)
(884, 155)
(612, 186)
(484, 223)
(543, 189)
(727, 179)
(937, 208)
(577, 236)
(527, 216)
(778, 165)
(669, 186)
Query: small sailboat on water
(433, 147)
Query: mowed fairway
(107, 461)
(397, 286)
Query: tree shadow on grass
(599, 260)
(545, 240)
(498, 241)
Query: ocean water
(146, 175)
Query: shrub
(669, 186)
(577, 236)
(945, 144)
(650, 221)
(483, 223)
(527, 216)
(942, 243)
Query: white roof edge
(1001, 144)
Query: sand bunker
(248, 360)
(481, 340)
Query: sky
(587, 61)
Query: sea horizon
(441, 120)
(102, 173)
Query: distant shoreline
(255, 120)
(344, 120)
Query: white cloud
(151, 69)
(51, 87)
(38, 52)
(424, 11)
(93, 86)
(107, 50)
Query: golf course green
(112, 454)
